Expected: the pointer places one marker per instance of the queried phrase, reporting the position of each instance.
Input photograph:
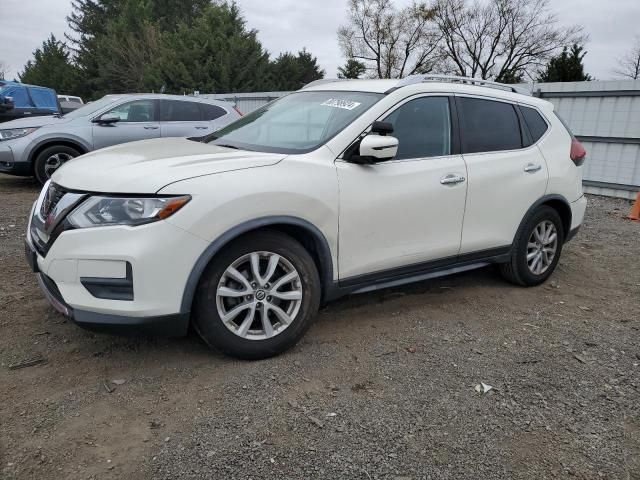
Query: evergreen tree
(352, 69)
(51, 67)
(511, 77)
(175, 46)
(566, 67)
(118, 42)
(217, 53)
(291, 72)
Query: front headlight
(103, 211)
(12, 133)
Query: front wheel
(536, 249)
(258, 296)
(51, 159)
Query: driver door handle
(532, 168)
(151, 127)
(452, 179)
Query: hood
(33, 121)
(149, 165)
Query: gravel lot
(382, 386)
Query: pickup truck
(18, 100)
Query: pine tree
(566, 67)
(352, 69)
(217, 53)
(176, 46)
(291, 72)
(51, 67)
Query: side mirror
(375, 148)
(107, 120)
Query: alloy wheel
(542, 247)
(259, 295)
(54, 162)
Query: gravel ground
(381, 387)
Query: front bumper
(175, 325)
(119, 279)
(8, 164)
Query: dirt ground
(381, 387)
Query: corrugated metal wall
(605, 116)
(246, 102)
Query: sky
(290, 25)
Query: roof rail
(413, 79)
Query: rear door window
(179, 111)
(489, 126)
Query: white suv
(341, 187)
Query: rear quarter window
(536, 124)
(211, 112)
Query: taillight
(238, 111)
(578, 153)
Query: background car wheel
(536, 249)
(52, 158)
(258, 297)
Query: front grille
(48, 219)
(51, 198)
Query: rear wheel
(536, 250)
(258, 296)
(51, 159)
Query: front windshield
(92, 107)
(297, 123)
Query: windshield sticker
(338, 103)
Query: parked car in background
(39, 146)
(70, 98)
(69, 103)
(19, 100)
(335, 189)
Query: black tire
(516, 270)
(207, 321)
(40, 170)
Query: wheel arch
(311, 238)
(560, 204)
(51, 142)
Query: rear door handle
(452, 179)
(201, 128)
(151, 127)
(531, 168)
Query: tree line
(508, 41)
(178, 46)
(172, 46)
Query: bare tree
(4, 69)
(629, 65)
(501, 39)
(391, 43)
